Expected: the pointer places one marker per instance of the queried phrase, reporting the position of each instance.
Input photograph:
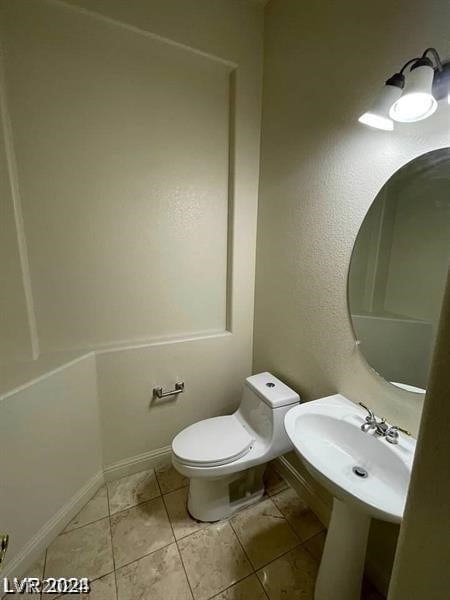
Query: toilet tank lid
(271, 390)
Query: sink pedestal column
(342, 565)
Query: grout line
(64, 532)
(240, 580)
(112, 545)
(176, 541)
(303, 541)
(291, 527)
(266, 593)
(158, 485)
(242, 546)
(309, 551)
(177, 489)
(255, 569)
(143, 556)
(43, 571)
(117, 512)
(178, 547)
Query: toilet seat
(212, 442)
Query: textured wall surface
(138, 192)
(126, 173)
(320, 171)
(91, 227)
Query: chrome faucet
(380, 427)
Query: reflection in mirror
(398, 270)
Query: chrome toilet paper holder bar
(158, 391)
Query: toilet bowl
(225, 457)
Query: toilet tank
(264, 403)
(271, 390)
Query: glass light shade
(378, 115)
(376, 121)
(416, 102)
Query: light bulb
(413, 107)
(416, 102)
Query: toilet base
(216, 499)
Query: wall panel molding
(17, 208)
(136, 241)
(144, 32)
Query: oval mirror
(398, 270)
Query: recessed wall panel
(122, 144)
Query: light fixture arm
(410, 96)
(436, 57)
(410, 62)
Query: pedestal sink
(367, 476)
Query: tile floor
(135, 541)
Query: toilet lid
(212, 442)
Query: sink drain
(360, 472)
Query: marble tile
(139, 531)
(36, 571)
(273, 482)
(169, 479)
(297, 512)
(290, 577)
(83, 552)
(247, 589)
(94, 510)
(101, 589)
(159, 576)
(315, 545)
(263, 532)
(182, 522)
(132, 490)
(213, 559)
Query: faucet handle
(392, 434)
(371, 416)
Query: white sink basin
(327, 436)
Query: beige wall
(132, 142)
(50, 450)
(122, 147)
(320, 171)
(133, 131)
(15, 342)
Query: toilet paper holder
(159, 393)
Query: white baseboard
(53, 527)
(140, 462)
(34, 548)
(304, 489)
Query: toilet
(225, 457)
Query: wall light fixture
(411, 94)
